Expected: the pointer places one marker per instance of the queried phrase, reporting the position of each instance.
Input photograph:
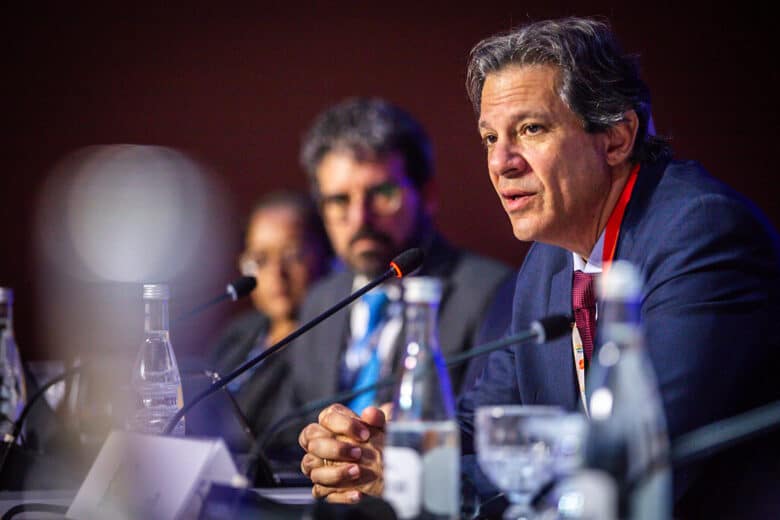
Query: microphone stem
(199, 308)
(718, 436)
(490, 347)
(711, 439)
(275, 348)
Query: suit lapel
(561, 360)
(648, 178)
(558, 383)
(331, 340)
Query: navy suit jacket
(710, 309)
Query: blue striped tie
(369, 373)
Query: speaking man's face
(550, 175)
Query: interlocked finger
(311, 462)
(337, 475)
(312, 431)
(334, 450)
(341, 420)
(336, 495)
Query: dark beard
(375, 263)
(372, 263)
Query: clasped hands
(344, 453)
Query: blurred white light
(609, 354)
(601, 404)
(132, 213)
(571, 504)
(110, 218)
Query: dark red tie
(583, 300)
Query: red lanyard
(615, 219)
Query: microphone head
(551, 327)
(407, 262)
(240, 287)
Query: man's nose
(359, 211)
(506, 158)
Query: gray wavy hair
(370, 129)
(598, 81)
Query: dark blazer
(470, 282)
(262, 396)
(711, 302)
(495, 323)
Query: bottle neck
(621, 311)
(424, 391)
(156, 316)
(421, 324)
(620, 322)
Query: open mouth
(515, 200)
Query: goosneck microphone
(539, 331)
(402, 265)
(236, 289)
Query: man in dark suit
(564, 117)
(371, 168)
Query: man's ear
(429, 194)
(620, 139)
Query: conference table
(292, 498)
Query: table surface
(9, 499)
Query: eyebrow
(335, 195)
(518, 116)
(374, 187)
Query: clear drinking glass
(516, 447)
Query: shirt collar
(390, 286)
(595, 260)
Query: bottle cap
(422, 289)
(156, 291)
(622, 281)
(6, 295)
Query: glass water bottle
(627, 437)
(156, 382)
(422, 443)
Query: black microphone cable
(10, 439)
(543, 330)
(403, 264)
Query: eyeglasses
(382, 200)
(251, 263)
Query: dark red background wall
(235, 86)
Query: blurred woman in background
(286, 249)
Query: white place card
(152, 477)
